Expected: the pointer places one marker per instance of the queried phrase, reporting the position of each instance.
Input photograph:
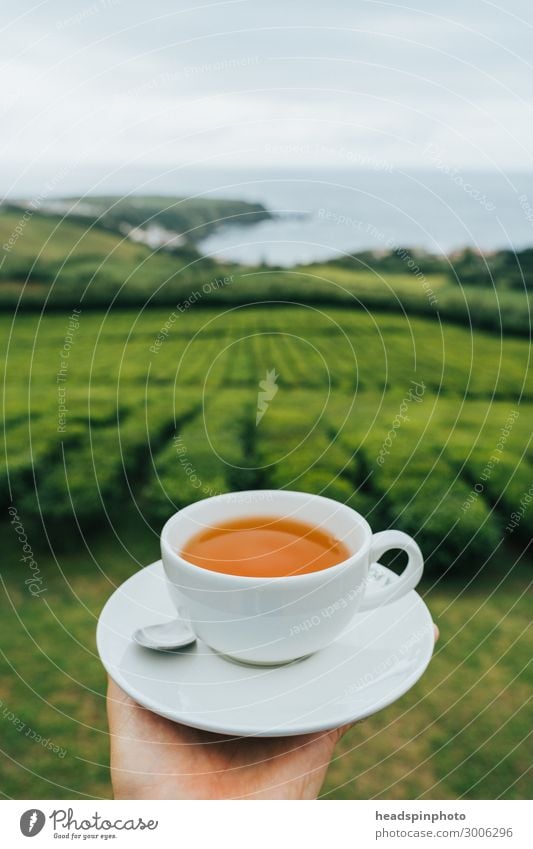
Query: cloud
(114, 83)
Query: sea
(318, 216)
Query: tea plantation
(114, 420)
(420, 425)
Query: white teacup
(277, 620)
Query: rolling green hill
(60, 262)
(63, 249)
(189, 220)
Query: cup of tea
(272, 576)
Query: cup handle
(382, 542)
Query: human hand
(155, 758)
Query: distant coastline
(157, 221)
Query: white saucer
(375, 661)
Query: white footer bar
(268, 825)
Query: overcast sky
(93, 86)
